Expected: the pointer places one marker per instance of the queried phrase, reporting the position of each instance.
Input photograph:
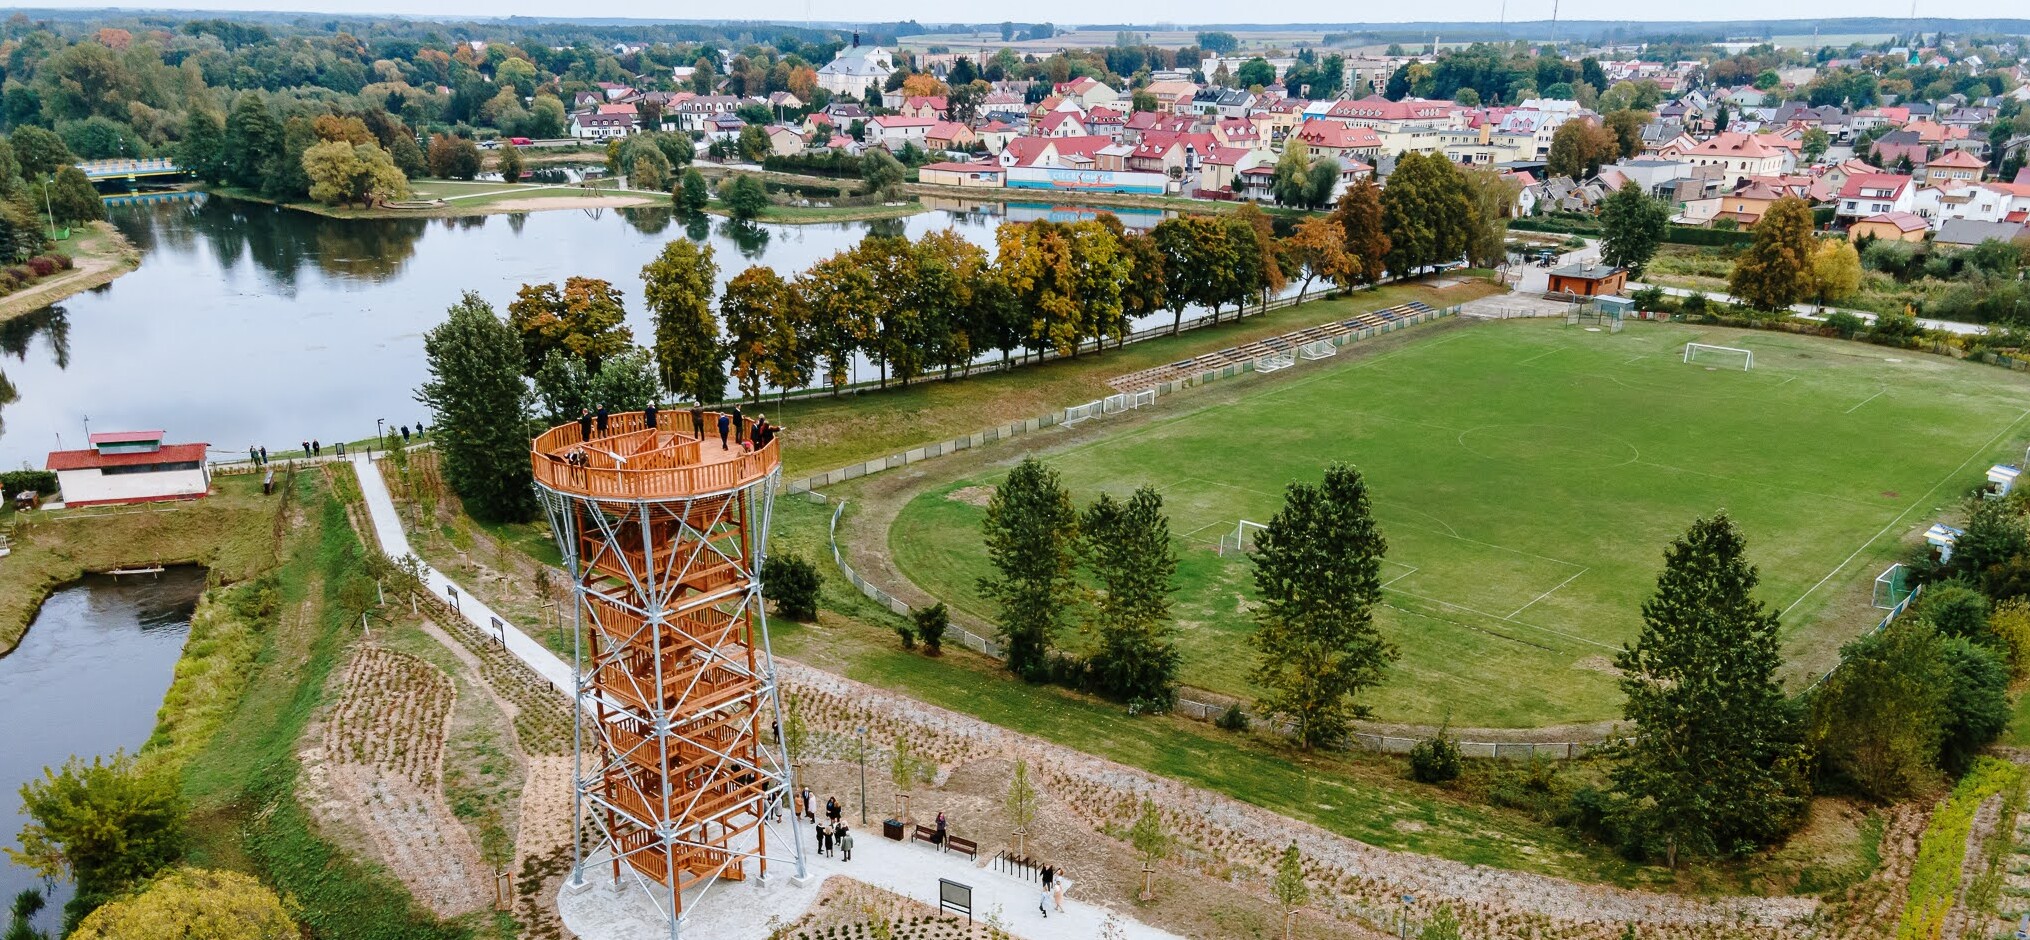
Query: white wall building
(130, 467)
(855, 68)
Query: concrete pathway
(743, 911)
(737, 911)
(395, 544)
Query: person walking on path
(306, 448)
(845, 844)
(739, 433)
(805, 796)
(824, 841)
(600, 418)
(254, 455)
(316, 447)
(1057, 893)
(584, 424)
(722, 430)
(405, 434)
(1041, 900)
(264, 455)
(649, 415)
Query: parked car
(520, 141)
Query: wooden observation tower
(679, 774)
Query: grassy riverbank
(230, 532)
(101, 254)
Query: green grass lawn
(1528, 476)
(828, 432)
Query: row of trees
(39, 185)
(1109, 566)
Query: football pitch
(1528, 475)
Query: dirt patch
(377, 770)
(1597, 664)
(971, 495)
(539, 203)
(90, 271)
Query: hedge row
(15, 481)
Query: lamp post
(46, 208)
(1407, 901)
(380, 434)
(862, 732)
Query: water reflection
(87, 680)
(252, 325)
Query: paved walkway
(395, 544)
(741, 911)
(736, 911)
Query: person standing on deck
(601, 419)
(698, 420)
(649, 415)
(723, 424)
(584, 424)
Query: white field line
(1548, 593)
(1498, 617)
(1643, 356)
(1921, 500)
(1786, 381)
(1542, 355)
(1866, 400)
(1413, 570)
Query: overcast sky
(1146, 11)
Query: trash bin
(892, 828)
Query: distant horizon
(1181, 14)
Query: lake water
(87, 679)
(249, 324)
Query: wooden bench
(955, 844)
(924, 833)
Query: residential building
(988, 175)
(604, 121)
(924, 106)
(855, 68)
(1088, 92)
(1868, 195)
(784, 141)
(893, 130)
(129, 467)
(1737, 154)
(1366, 76)
(950, 135)
(1343, 142)
(1966, 233)
(1890, 226)
(695, 114)
(1952, 165)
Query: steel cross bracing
(674, 690)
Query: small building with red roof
(130, 467)
(1952, 165)
(1891, 226)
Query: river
(250, 324)
(87, 679)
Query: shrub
(7, 282)
(907, 634)
(42, 266)
(21, 272)
(1694, 304)
(931, 623)
(1651, 298)
(1843, 324)
(792, 583)
(2011, 622)
(15, 481)
(1233, 719)
(1434, 759)
(1956, 610)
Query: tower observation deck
(663, 533)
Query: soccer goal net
(1318, 349)
(1126, 401)
(1240, 539)
(1720, 356)
(1892, 586)
(1274, 361)
(1077, 413)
